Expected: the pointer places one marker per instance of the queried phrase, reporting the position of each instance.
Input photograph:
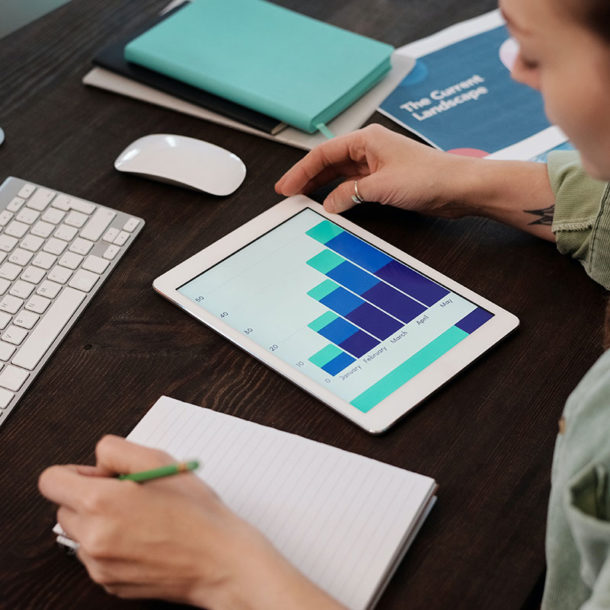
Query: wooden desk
(487, 437)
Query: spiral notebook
(283, 64)
(344, 520)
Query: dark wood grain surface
(487, 437)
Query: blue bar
(341, 301)
(338, 330)
(338, 364)
(374, 321)
(352, 277)
(359, 344)
(359, 251)
(394, 302)
(474, 319)
(411, 282)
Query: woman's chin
(596, 168)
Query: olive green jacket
(578, 527)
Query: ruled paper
(341, 518)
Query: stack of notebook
(255, 66)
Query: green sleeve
(581, 220)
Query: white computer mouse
(183, 161)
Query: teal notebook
(296, 69)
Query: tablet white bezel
(388, 411)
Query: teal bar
(322, 321)
(325, 355)
(325, 261)
(322, 290)
(408, 369)
(324, 231)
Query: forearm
(517, 193)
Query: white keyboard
(55, 252)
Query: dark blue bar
(341, 301)
(359, 344)
(352, 277)
(394, 302)
(359, 251)
(338, 364)
(338, 330)
(411, 282)
(474, 319)
(374, 321)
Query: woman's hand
(390, 169)
(170, 538)
(396, 170)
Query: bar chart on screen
(341, 311)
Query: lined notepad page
(341, 518)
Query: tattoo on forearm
(545, 215)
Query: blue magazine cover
(462, 99)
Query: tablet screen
(343, 312)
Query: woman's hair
(594, 14)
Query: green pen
(163, 471)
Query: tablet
(364, 327)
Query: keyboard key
(5, 398)
(42, 229)
(48, 329)
(31, 242)
(48, 289)
(65, 232)
(20, 257)
(97, 224)
(26, 190)
(121, 238)
(95, 264)
(26, 319)
(12, 378)
(15, 335)
(4, 319)
(4, 285)
(16, 229)
(81, 246)
(7, 243)
(37, 304)
(44, 260)
(60, 274)
(40, 199)
(110, 235)
(11, 304)
(53, 215)
(28, 216)
(21, 289)
(76, 219)
(55, 246)
(15, 204)
(32, 274)
(9, 271)
(6, 350)
(5, 217)
(83, 280)
(61, 202)
(82, 206)
(111, 252)
(70, 260)
(131, 225)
